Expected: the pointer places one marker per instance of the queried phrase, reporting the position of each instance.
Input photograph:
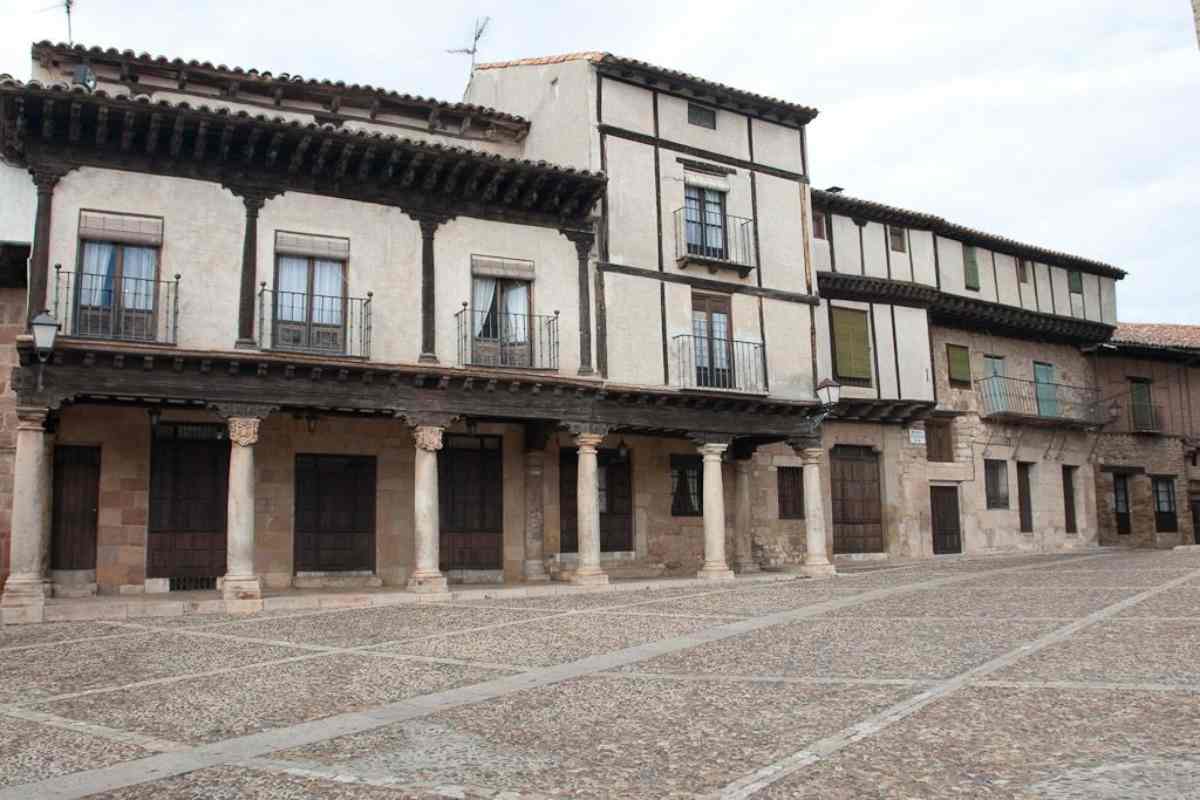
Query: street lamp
(829, 392)
(45, 330)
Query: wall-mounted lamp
(622, 449)
(829, 392)
(45, 331)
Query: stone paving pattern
(1053, 677)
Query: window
(1022, 270)
(970, 268)
(687, 486)
(712, 344)
(1141, 405)
(1075, 281)
(500, 322)
(704, 220)
(1045, 389)
(995, 474)
(1068, 475)
(791, 492)
(310, 298)
(1121, 503)
(820, 224)
(1165, 520)
(993, 389)
(939, 440)
(896, 238)
(993, 366)
(702, 116)
(116, 291)
(958, 359)
(851, 346)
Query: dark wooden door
(1196, 520)
(1121, 503)
(614, 475)
(470, 494)
(1024, 497)
(75, 507)
(947, 532)
(1068, 477)
(857, 502)
(335, 513)
(189, 488)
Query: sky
(1073, 125)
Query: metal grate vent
(193, 584)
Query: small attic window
(704, 117)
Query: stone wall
(1142, 456)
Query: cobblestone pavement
(1065, 677)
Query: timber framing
(96, 372)
(59, 127)
(844, 286)
(882, 410)
(838, 203)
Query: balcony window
(310, 301)
(1075, 281)
(896, 239)
(971, 268)
(958, 361)
(704, 215)
(1045, 389)
(851, 339)
(1022, 270)
(117, 291)
(1165, 519)
(939, 440)
(995, 474)
(1143, 413)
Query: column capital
(712, 451)
(253, 197)
(428, 437)
(579, 428)
(243, 431)
(429, 221)
(811, 455)
(800, 444)
(582, 239)
(45, 178)
(231, 409)
(32, 418)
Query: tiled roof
(1157, 334)
(718, 92)
(839, 203)
(46, 48)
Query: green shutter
(970, 268)
(959, 359)
(851, 344)
(1075, 282)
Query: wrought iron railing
(490, 339)
(703, 362)
(1002, 396)
(314, 323)
(731, 242)
(103, 306)
(1145, 417)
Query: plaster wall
(20, 203)
(899, 351)
(626, 106)
(777, 145)
(730, 137)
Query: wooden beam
(364, 163)
(298, 154)
(251, 144)
(226, 141)
(322, 154)
(343, 161)
(201, 140)
(128, 121)
(74, 129)
(177, 135)
(152, 133)
(102, 126)
(452, 178)
(273, 149)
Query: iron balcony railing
(704, 362)
(104, 306)
(314, 323)
(1145, 418)
(1001, 396)
(730, 242)
(490, 339)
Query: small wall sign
(916, 436)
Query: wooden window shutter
(1075, 281)
(959, 360)
(851, 344)
(970, 268)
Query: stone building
(580, 325)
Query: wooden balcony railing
(1015, 398)
(313, 323)
(707, 363)
(490, 339)
(101, 306)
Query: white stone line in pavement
(91, 729)
(38, 645)
(726, 617)
(1088, 686)
(165, 765)
(454, 662)
(716, 677)
(760, 779)
(314, 771)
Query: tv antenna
(66, 5)
(481, 26)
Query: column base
(427, 358)
(534, 572)
(588, 576)
(245, 344)
(818, 570)
(24, 601)
(241, 587)
(715, 572)
(427, 582)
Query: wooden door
(1196, 520)
(335, 513)
(615, 497)
(189, 489)
(947, 532)
(1045, 389)
(1068, 477)
(1121, 503)
(1024, 496)
(712, 340)
(857, 503)
(470, 494)
(75, 508)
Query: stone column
(816, 560)
(741, 516)
(587, 498)
(715, 566)
(241, 582)
(535, 516)
(426, 576)
(583, 251)
(27, 588)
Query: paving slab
(1084, 578)
(32, 752)
(574, 601)
(39, 673)
(604, 737)
(1031, 744)
(757, 601)
(219, 707)
(542, 643)
(970, 601)
(1179, 602)
(49, 632)
(241, 783)
(853, 648)
(1119, 651)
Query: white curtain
(96, 280)
(720, 343)
(291, 298)
(483, 298)
(516, 307)
(327, 292)
(714, 224)
(137, 278)
(700, 340)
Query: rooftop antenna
(480, 29)
(66, 5)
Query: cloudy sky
(1073, 124)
